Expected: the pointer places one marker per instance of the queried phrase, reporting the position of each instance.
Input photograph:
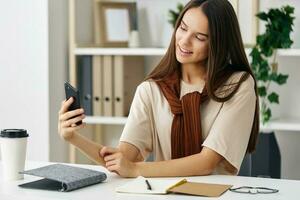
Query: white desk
(288, 189)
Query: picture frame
(246, 11)
(114, 22)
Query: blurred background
(44, 42)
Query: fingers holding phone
(65, 104)
(71, 118)
(71, 114)
(73, 93)
(68, 120)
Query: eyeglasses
(253, 190)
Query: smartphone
(73, 92)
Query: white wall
(24, 72)
(33, 68)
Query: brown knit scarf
(186, 134)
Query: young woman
(197, 111)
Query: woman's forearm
(202, 163)
(170, 168)
(88, 147)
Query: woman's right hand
(67, 120)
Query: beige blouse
(226, 127)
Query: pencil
(148, 185)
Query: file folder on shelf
(97, 86)
(108, 85)
(128, 74)
(84, 76)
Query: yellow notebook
(166, 185)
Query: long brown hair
(226, 55)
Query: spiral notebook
(63, 178)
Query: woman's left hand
(116, 162)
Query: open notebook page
(158, 185)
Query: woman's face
(191, 38)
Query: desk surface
(288, 189)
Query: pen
(148, 185)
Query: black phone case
(73, 92)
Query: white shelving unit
(289, 52)
(105, 120)
(151, 51)
(121, 51)
(284, 124)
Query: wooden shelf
(283, 124)
(120, 51)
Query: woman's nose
(186, 40)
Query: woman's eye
(182, 28)
(201, 39)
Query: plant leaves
(273, 98)
(266, 115)
(263, 71)
(278, 27)
(179, 7)
(262, 91)
(174, 14)
(288, 9)
(262, 15)
(282, 79)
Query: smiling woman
(192, 38)
(197, 111)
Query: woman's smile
(184, 52)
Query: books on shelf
(97, 85)
(84, 84)
(107, 83)
(128, 73)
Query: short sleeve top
(226, 126)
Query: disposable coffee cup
(13, 144)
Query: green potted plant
(279, 25)
(174, 14)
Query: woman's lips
(184, 51)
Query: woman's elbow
(207, 166)
(208, 170)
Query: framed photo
(246, 11)
(113, 23)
